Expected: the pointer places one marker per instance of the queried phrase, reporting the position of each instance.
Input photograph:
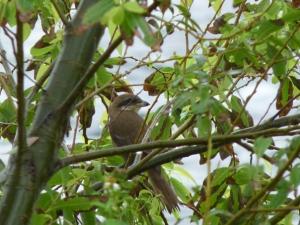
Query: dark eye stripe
(126, 102)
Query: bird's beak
(143, 104)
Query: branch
(281, 122)
(21, 141)
(287, 209)
(60, 13)
(217, 140)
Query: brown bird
(125, 127)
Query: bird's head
(128, 102)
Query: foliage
(257, 43)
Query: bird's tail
(162, 187)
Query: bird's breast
(125, 127)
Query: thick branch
(217, 140)
(168, 157)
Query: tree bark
(38, 160)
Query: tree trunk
(26, 179)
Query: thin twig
(61, 15)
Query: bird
(125, 127)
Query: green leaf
(261, 144)
(77, 203)
(26, 31)
(114, 222)
(158, 81)
(61, 177)
(262, 5)
(215, 4)
(286, 94)
(204, 126)
(114, 61)
(235, 191)
(295, 144)
(35, 52)
(245, 174)
(88, 218)
(285, 97)
(46, 199)
(291, 15)
(133, 22)
(69, 216)
(280, 197)
(9, 13)
(162, 130)
(237, 2)
(187, 3)
(182, 192)
(204, 103)
(220, 175)
(26, 5)
(117, 15)
(103, 77)
(185, 12)
(237, 107)
(7, 112)
(266, 28)
(134, 7)
(280, 67)
(295, 175)
(97, 11)
(40, 219)
(294, 42)
(148, 36)
(115, 160)
(43, 68)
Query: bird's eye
(125, 102)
